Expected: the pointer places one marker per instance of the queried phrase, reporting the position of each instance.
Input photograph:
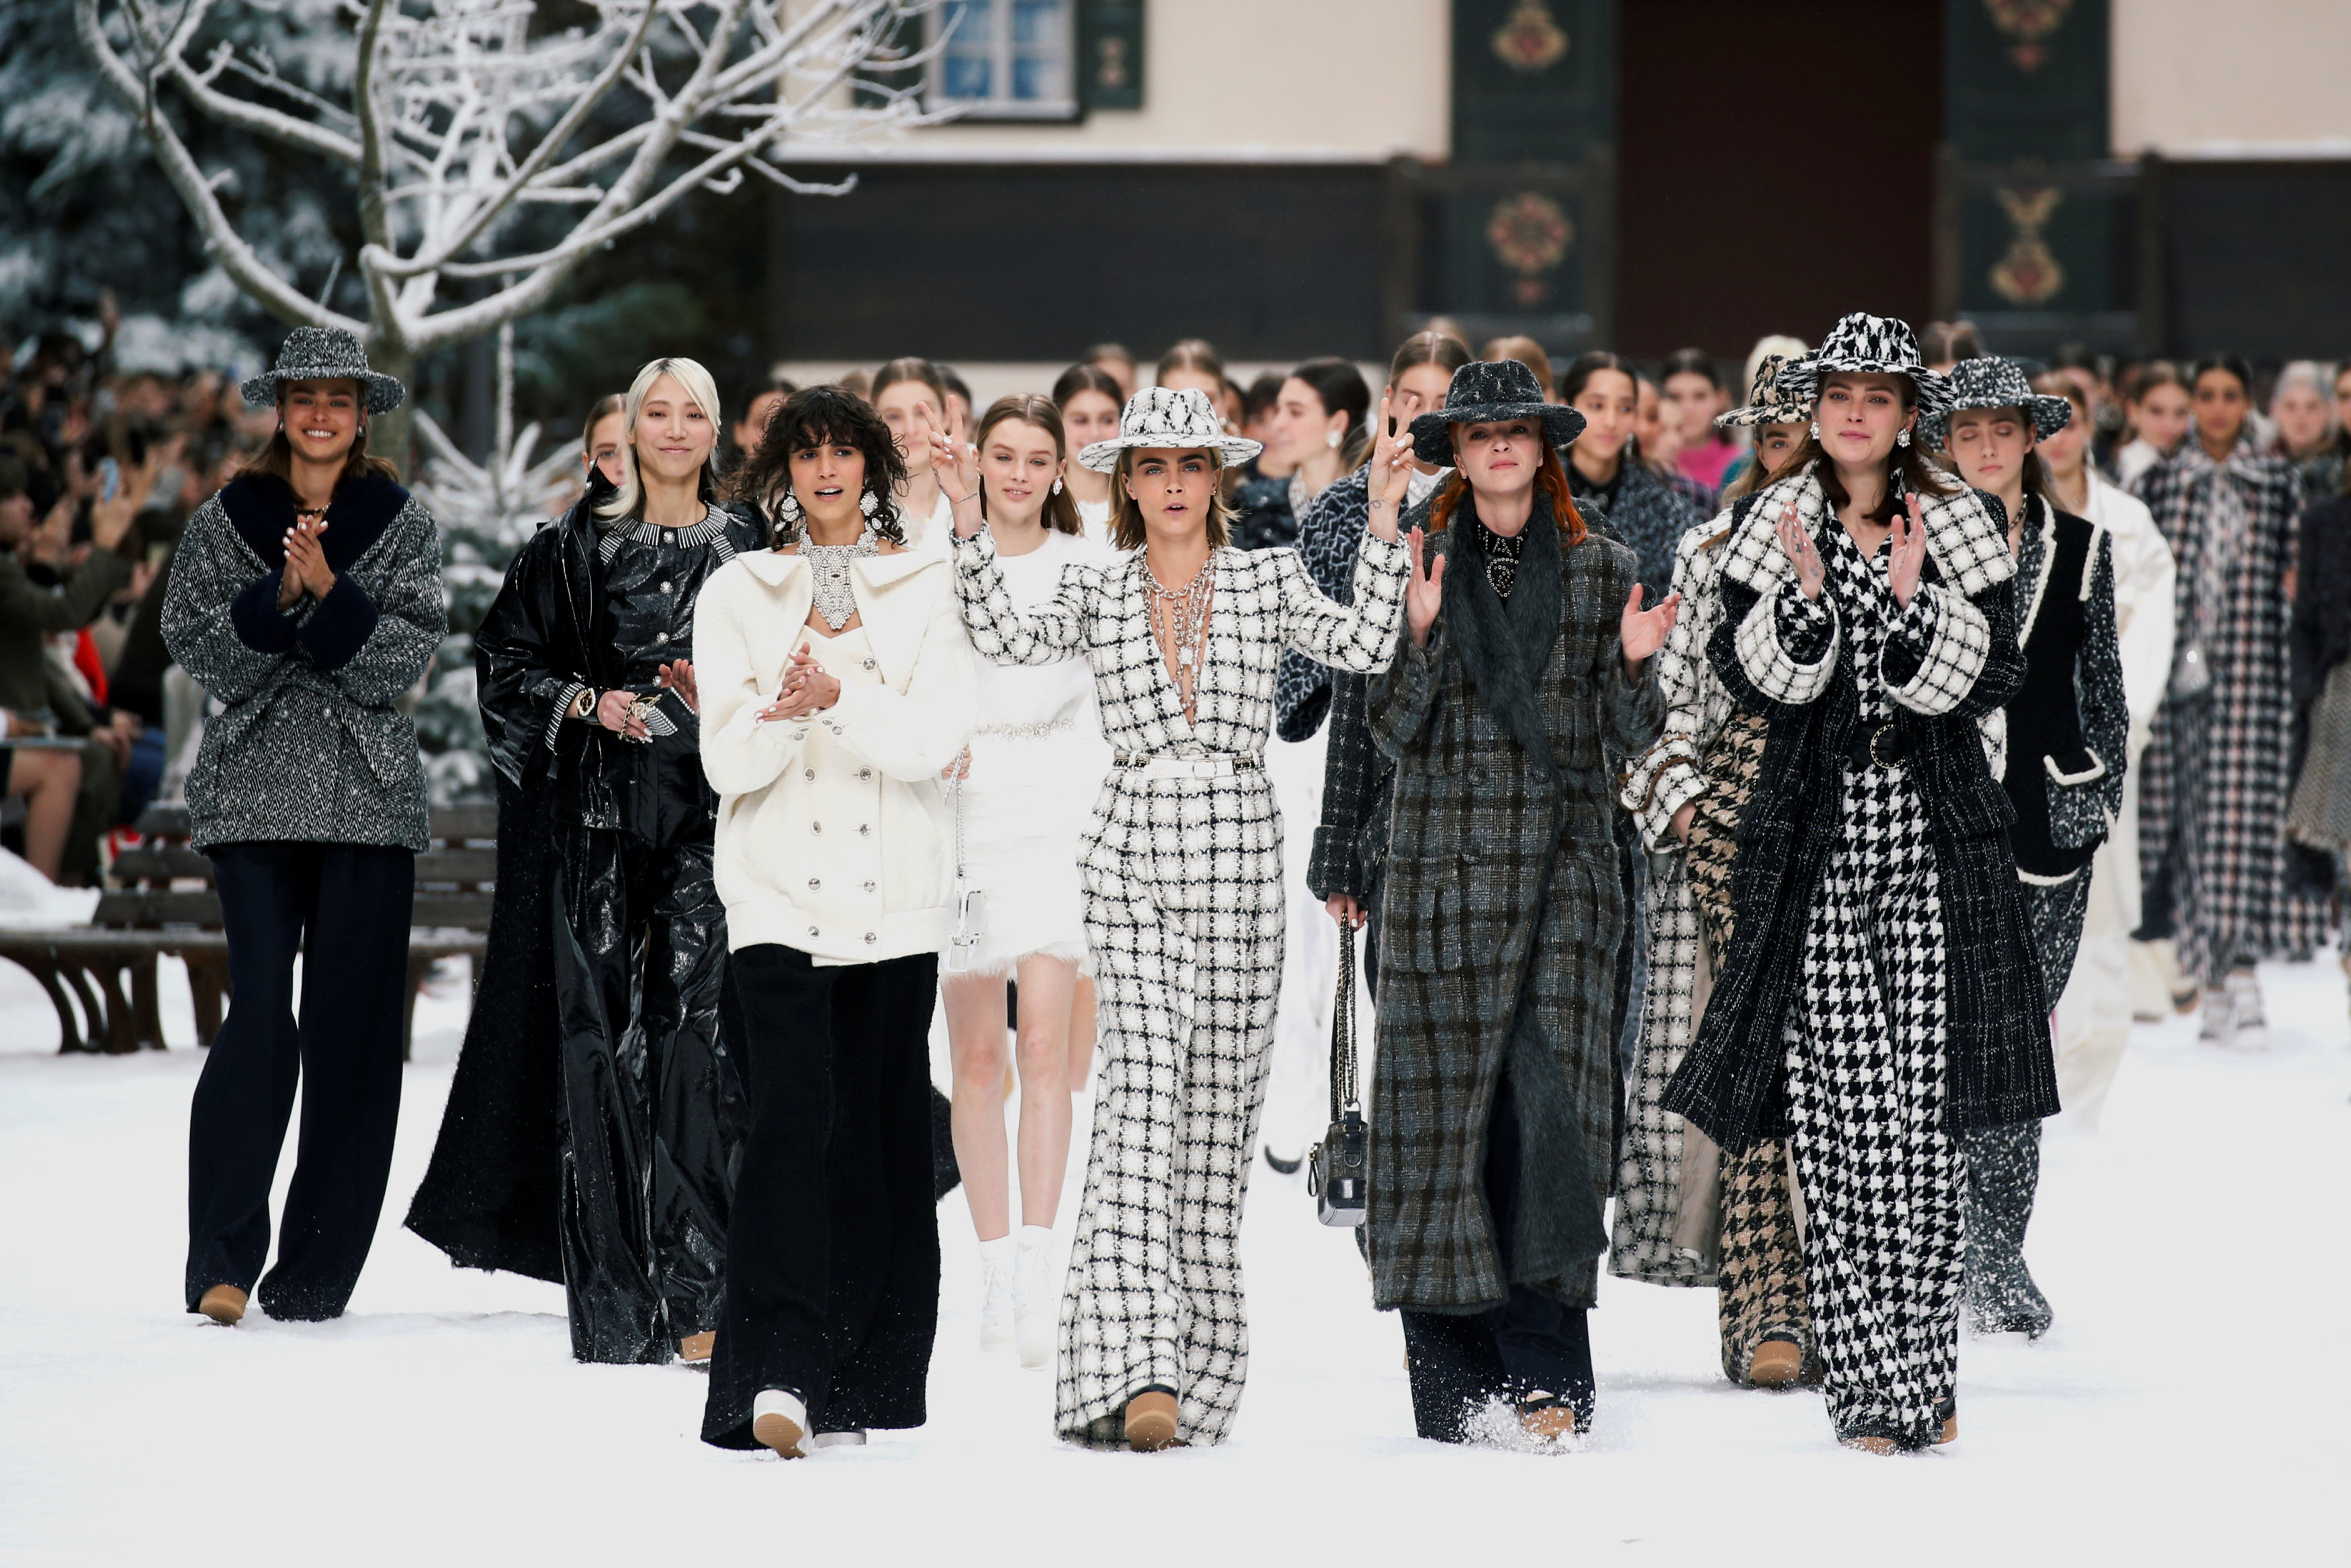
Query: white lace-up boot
(996, 1268)
(1036, 1302)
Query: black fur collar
(260, 506)
(1505, 645)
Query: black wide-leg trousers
(832, 1257)
(1460, 1362)
(345, 909)
(652, 1109)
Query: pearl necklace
(1502, 559)
(836, 600)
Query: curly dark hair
(811, 418)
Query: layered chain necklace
(1179, 619)
(836, 600)
(1502, 559)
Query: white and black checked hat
(324, 354)
(1768, 401)
(1866, 344)
(1484, 390)
(1993, 382)
(1157, 415)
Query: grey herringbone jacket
(311, 746)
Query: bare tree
(482, 152)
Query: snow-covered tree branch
(485, 143)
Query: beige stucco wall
(2219, 77)
(1358, 81)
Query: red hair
(1550, 478)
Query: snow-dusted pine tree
(493, 142)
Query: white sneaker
(837, 1440)
(2219, 1018)
(996, 1305)
(2249, 1028)
(780, 1420)
(1036, 1302)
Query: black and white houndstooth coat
(1731, 1084)
(1501, 923)
(2212, 797)
(1183, 917)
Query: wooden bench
(100, 976)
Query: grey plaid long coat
(1479, 836)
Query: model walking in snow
(2211, 833)
(1880, 998)
(1494, 1094)
(1021, 796)
(1685, 1213)
(2094, 1013)
(588, 704)
(2068, 732)
(837, 685)
(305, 599)
(1183, 877)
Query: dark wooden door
(1776, 167)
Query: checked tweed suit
(1183, 902)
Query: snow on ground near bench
(2189, 1405)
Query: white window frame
(1002, 106)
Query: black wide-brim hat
(1863, 344)
(1485, 390)
(1993, 382)
(324, 354)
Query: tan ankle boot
(224, 1304)
(1151, 1420)
(696, 1347)
(1775, 1364)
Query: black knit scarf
(1505, 644)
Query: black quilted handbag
(1335, 1166)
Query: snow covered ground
(2188, 1407)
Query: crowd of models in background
(1910, 640)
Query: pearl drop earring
(1331, 438)
(1816, 430)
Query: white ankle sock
(996, 1252)
(1035, 1238)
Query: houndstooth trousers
(1865, 1085)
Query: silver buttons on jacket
(869, 887)
(661, 638)
(865, 830)
(327, 712)
(866, 664)
(816, 827)
(812, 931)
(666, 588)
(869, 939)
(808, 774)
(865, 775)
(815, 885)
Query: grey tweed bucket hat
(1865, 344)
(1993, 382)
(1485, 390)
(324, 354)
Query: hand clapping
(1909, 559)
(1810, 573)
(306, 563)
(807, 689)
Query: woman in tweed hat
(305, 599)
(1880, 997)
(1494, 1095)
(2067, 734)
(1184, 894)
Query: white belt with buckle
(1220, 764)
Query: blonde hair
(631, 497)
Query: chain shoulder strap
(1344, 1095)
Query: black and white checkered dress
(1866, 1065)
(1183, 905)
